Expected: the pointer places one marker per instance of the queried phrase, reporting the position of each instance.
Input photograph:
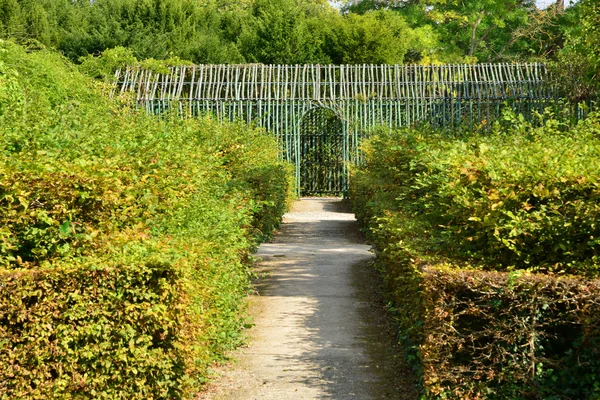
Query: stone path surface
(321, 329)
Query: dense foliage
(488, 30)
(520, 198)
(578, 62)
(306, 31)
(491, 335)
(280, 31)
(124, 240)
(444, 210)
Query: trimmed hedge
(94, 332)
(506, 336)
(446, 210)
(524, 199)
(125, 240)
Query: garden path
(321, 329)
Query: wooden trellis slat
(280, 97)
(333, 83)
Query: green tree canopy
(477, 31)
(279, 32)
(304, 31)
(379, 37)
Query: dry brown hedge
(501, 335)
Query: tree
(362, 6)
(152, 29)
(279, 33)
(577, 69)
(479, 28)
(11, 22)
(467, 30)
(542, 36)
(591, 29)
(41, 20)
(376, 37)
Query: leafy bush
(125, 239)
(510, 336)
(92, 330)
(521, 199)
(445, 210)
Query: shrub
(475, 236)
(92, 330)
(526, 200)
(496, 335)
(125, 239)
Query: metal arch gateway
(320, 114)
(322, 140)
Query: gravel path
(321, 329)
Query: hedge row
(506, 336)
(125, 240)
(488, 245)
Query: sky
(546, 3)
(540, 3)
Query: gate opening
(322, 150)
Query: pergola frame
(277, 97)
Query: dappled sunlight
(319, 331)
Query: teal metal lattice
(321, 113)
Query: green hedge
(520, 198)
(93, 331)
(445, 210)
(125, 240)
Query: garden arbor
(320, 113)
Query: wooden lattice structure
(321, 113)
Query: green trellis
(322, 152)
(321, 113)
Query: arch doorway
(322, 150)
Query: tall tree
(11, 19)
(152, 28)
(376, 37)
(279, 33)
(591, 28)
(468, 30)
(480, 27)
(577, 67)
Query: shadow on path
(322, 331)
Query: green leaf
(65, 228)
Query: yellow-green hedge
(93, 331)
(474, 236)
(125, 240)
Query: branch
(538, 20)
(473, 34)
(481, 39)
